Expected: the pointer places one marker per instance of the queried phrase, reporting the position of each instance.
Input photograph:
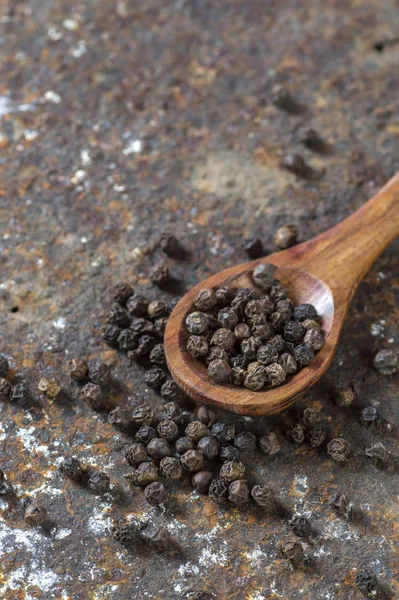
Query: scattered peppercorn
(232, 470)
(285, 237)
(92, 395)
(72, 468)
(245, 441)
(99, 373)
(127, 340)
(145, 434)
(317, 437)
(386, 362)
(292, 550)
(158, 448)
(218, 490)
(253, 246)
(35, 514)
(171, 392)
(20, 395)
(339, 449)
(118, 316)
(110, 334)
(143, 415)
(78, 369)
(312, 140)
(137, 305)
(145, 474)
(344, 396)
(5, 389)
(98, 483)
(201, 481)
(283, 99)
(184, 444)
(160, 275)
(155, 493)
(370, 416)
(238, 493)
(300, 526)
(4, 366)
(168, 430)
(378, 454)
(263, 495)
(192, 460)
(223, 432)
(122, 291)
(157, 536)
(169, 244)
(171, 467)
(340, 505)
(269, 444)
(366, 583)
(127, 535)
(136, 454)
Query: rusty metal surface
(120, 120)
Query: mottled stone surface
(121, 120)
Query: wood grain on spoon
(324, 271)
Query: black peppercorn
(196, 430)
(255, 377)
(366, 583)
(297, 433)
(242, 331)
(158, 448)
(275, 374)
(280, 319)
(216, 353)
(158, 537)
(288, 362)
(92, 395)
(310, 417)
(303, 354)
(267, 354)
(160, 275)
(291, 550)
(172, 411)
(99, 373)
(263, 276)
(145, 474)
(250, 347)
(237, 376)
(378, 454)
(154, 377)
(19, 395)
(264, 497)
(128, 340)
(245, 441)
(285, 237)
(269, 444)
(223, 432)
(137, 305)
(155, 493)
(192, 460)
(218, 490)
(145, 434)
(77, 369)
(300, 526)
(142, 327)
(370, 416)
(157, 309)
(277, 342)
(184, 444)
(169, 244)
(314, 339)
(209, 446)
(340, 505)
(386, 362)
(72, 468)
(224, 338)
(316, 437)
(227, 318)
(122, 291)
(127, 535)
(206, 415)
(201, 481)
(35, 514)
(238, 493)
(312, 140)
(339, 449)
(118, 316)
(143, 415)
(197, 323)
(171, 392)
(171, 467)
(253, 246)
(219, 371)
(305, 311)
(294, 331)
(283, 99)
(224, 295)
(229, 453)
(157, 355)
(98, 483)
(136, 454)
(205, 300)
(110, 334)
(146, 344)
(168, 430)
(5, 389)
(278, 292)
(344, 396)
(232, 470)
(4, 366)
(120, 418)
(197, 346)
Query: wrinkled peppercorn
(232, 470)
(263, 276)
(145, 474)
(158, 448)
(386, 362)
(239, 361)
(5, 389)
(122, 291)
(366, 583)
(269, 444)
(157, 309)
(223, 338)
(110, 334)
(92, 395)
(263, 495)
(157, 355)
(197, 323)
(142, 327)
(120, 418)
(237, 376)
(205, 300)
(278, 292)
(253, 246)
(303, 354)
(340, 505)
(339, 449)
(300, 526)
(266, 355)
(288, 362)
(77, 369)
(238, 493)
(168, 430)
(285, 237)
(35, 514)
(155, 377)
(4, 366)
(20, 395)
(158, 537)
(219, 371)
(218, 490)
(142, 415)
(228, 319)
(160, 275)
(255, 378)
(280, 319)
(297, 433)
(344, 396)
(184, 444)
(250, 347)
(294, 331)
(118, 316)
(196, 430)
(136, 454)
(291, 550)
(277, 342)
(72, 468)
(314, 339)
(242, 332)
(275, 374)
(224, 295)
(98, 483)
(172, 411)
(316, 437)
(283, 99)
(137, 305)
(223, 432)
(206, 415)
(49, 387)
(305, 311)
(192, 460)
(312, 140)
(145, 434)
(310, 417)
(171, 392)
(209, 446)
(171, 467)
(128, 340)
(197, 346)
(155, 493)
(99, 373)
(201, 481)
(370, 416)
(245, 441)
(216, 353)
(127, 535)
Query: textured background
(124, 119)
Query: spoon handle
(342, 255)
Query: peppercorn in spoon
(324, 271)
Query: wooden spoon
(324, 271)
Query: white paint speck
(85, 157)
(54, 34)
(51, 96)
(207, 558)
(70, 24)
(133, 147)
(30, 135)
(62, 533)
(60, 324)
(79, 50)
(78, 177)
(301, 484)
(29, 441)
(99, 523)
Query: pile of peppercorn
(253, 337)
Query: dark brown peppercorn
(122, 291)
(158, 309)
(303, 354)
(158, 537)
(145, 434)
(232, 470)
(145, 474)
(245, 441)
(283, 99)
(378, 454)
(229, 453)
(219, 371)
(294, 331)
(366, 583)
(118, 316)
(77, 369)
(242, 332)
(192, 460)
(99, 373)
(146, 344)
(4, 366)
(312, 140)
(136, 454)
(168, 430)
(386, 362)
(278, 292)
(305, 311)
(197, 346)
(155, 493)
(216, 353)
(227, 318)
(218, 490)
(160, 275)
(310, 417)
(237, 376)
(35, 514)
(291, 550)
(344, 396)
(224, 338)
(137, 305)
(238, 493)
(370, 416)
(201, 481)
(171, 467)
(72, 468)
(20, 395)
(285, 237)
(110, 334)
(197, 323)
(300, 526)
(205, 300)
(127, 535)
(157, 355)
(267, 354)
(297, 433)
(128, 340)
(172, 411)
(142, 327)
(184, 444)
(288, 362)
(143, 415)
(158, 448)
(264, 497)
(269, 444)
(223, 432)
(279, 320)
(209, 446)
(120, 418)
(297, 165)
(206, 415)
(196, 430)
(169, 244)
(92, 395)
(5, 389)
(250, 347)
(224, 295)
(340, 505)
(316, 437)
(155, 377)
(339, 450)
(277, 342)
(98, 483)
(253, 246)
(171, 392)
(255, 378)
(263, 276)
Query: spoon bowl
(325, 272)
